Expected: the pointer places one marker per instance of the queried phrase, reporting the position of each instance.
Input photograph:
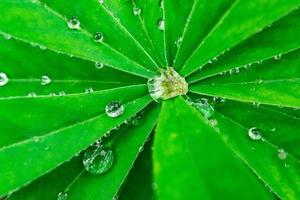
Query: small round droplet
(101, 1)
(99, 65)
(7, 36)
(254, 133)
(178, 42)
(3, 79)
(136, 120)
(32, 94)
(218, 100)
(282, 154)
(89, 90)
(62, 93)
(98, 36)
(45, 80)
(278, 57)
(114, 109)
(74, 23)
(137, 11)
(97, 160)
(161, 24)
(62, 196)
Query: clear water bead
(254, 133)
(32, 94)
(74, 23)
(203, 106)
(137, 11)
(45, 80)
(98, 37)
(282, 154)
(278, 57)
(62, 196)
(3, 79)
(161, 24)
(101, 1)
(178, 41)
(114, 109)
(97, 160)
(99, 65)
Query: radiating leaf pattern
(67, 66)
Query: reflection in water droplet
(97, 160)
(62, 196)
(161, 24)
(282, 154)
(45, 80)
(74, 23)
(98, 37)
(137, 11)
(99, 65)
(254, 133)
(114, 109)
(3, 79)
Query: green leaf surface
(52, 27)
(199, 24)
(38, 155)
(192, 146)
(244, 19)
(281, 175)
(273, 42)
(176, 14)
(85, 185)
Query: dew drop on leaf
(98, 37)
(278, 57)
(282, 154)
(136, 120)
(62, 93)
(97, 160)
(45, 80)
(32, 94)
(3, 79)
(62, 196)
(161, 24)
(136, 11)
(74, 23)
(89, 90)
(203, 106)
(99, 65)
(101, 1)
(178, 42)
(7, 36)
(218, 100)
(254, 133)
(114, 109)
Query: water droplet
(254, 133)
(99, 65)
(114, 109)
(161, 24)
(259, 62)
(74, 23)
(278, 57)
(286, 165)
(215, 59)
(203, 106)
(141, 148)
(282, 154)
(218, 100)
(136, 11)
(98, 36)
(42, 47)
(116, 197)
(136, 120)
(178, 41)
(97, 160)
(7, 36)
(62, 196)
(89, 90)
(101, 1)
(52, 94)
(32, 94)
(259, 81)
(62, 93)
(3, 79)
(45, 80)
(247, 66)
(234, 71)
(213, 122)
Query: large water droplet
(98, 36)
(74, 23)
(203, 106)
(114, 109)
(136, 11)
(282, 154)
(3, 79)
(161, 24)
(254, 133)
(99, 65)
(62, 196)
(97, 160)
(45, 80)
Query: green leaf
(265, 45)
(201, 16)
(86, 186)
(189, 151)
(281, 175)
(27, 15)
(244, 19)
(38, 155)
